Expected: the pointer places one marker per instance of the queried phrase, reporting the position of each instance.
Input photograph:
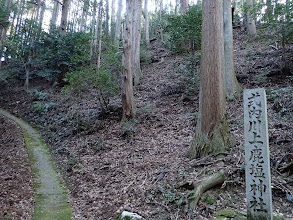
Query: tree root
(205, 185)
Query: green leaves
(185, 28)
(4, 15)
(51, 54)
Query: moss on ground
(50, 199)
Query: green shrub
(41, 108)
(187, 74)
(85, 78)
(47, 55)
(184, 31)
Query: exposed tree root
(205, 185)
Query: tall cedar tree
(127, 80)
(136, 35)
(231, 84)
(65, 10)
(251, 28)
(212, 131)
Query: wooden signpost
(257, 158)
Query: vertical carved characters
(257, 160)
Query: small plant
(127, 129)
(42, 108)
(86, 78)
(37, 95)
(188, 74)
(70, 163)
(99, 144)
(169, 196)
(145, 56)
(210, 200)
(184, 31)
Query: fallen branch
(205, 185)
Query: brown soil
(139, 166)
(16, 193)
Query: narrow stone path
(50, 200)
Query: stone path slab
(50, 199)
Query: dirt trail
(50, 200)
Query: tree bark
(113, 21)
(136, 35)
(54, 15)
(212, 131)
(208, 183)
(93, 28)
(100, 39)
(118, 23)
(42, 13)
(183, 6)
(99, 20)
(147, 32)
(3, 32)
(231, 84)
(250, 18)
(107, 18)
(84, 15)
(127, 81)
(65, 10)
(19, 16)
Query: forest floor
(141, 166)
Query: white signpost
(257, 157)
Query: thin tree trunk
(127, 80)
(13, 21)
(93, 27)
(113, 20)
(37, 17)
(161, 29)
(176, 7)
(136, 35)
(100, 40)
(65, 10)
(250, 18)
(99, 21)
(118, 23)
(183, 6)
(19, 16)
(147, 32)
(3, 32)
(212, 132)
(231, 84)
(107, 19)
(54, 15)
(42, 13)
(84, 15)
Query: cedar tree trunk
(212, 131)
(127, 80)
